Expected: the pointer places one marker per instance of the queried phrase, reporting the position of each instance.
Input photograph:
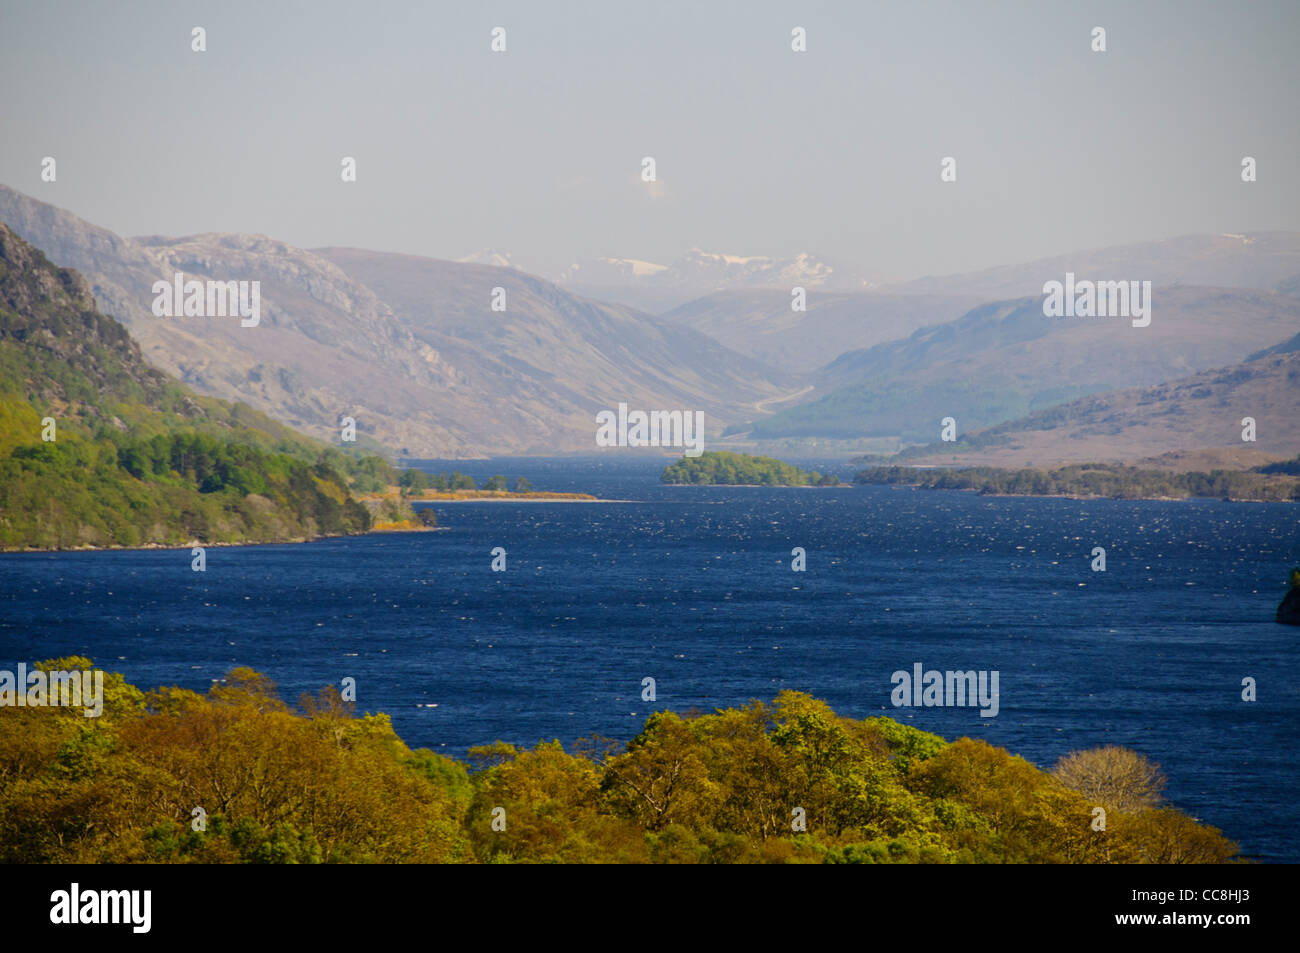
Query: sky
(759, 150)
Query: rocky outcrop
(1288, 613)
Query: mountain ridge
(1191, 423)
(328, 346)
(1005, 359)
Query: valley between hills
(412, 351)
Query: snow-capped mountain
(657, 287)
(616, 268)
(487, 256)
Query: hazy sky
(759, 150)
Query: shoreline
(463, 495)
(144, 547)
(496, 496)
(587, 498)
(1071, 496)
(502, 499)
(774, 486)
(1005, 496)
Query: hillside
(1005, 360)
(1190, 423)
(407, 346)
(137, 459)
(411, 349)
(536, 373)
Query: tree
(1168, 836)
(662, 778)
(522, 485)
(1114, 777)
(413, 479)
(497, 482)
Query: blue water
(693, 587)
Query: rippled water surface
(693, 586)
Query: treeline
(1289, 467)
(1092, 480)
(98, 448)
(786, 782)
(167, 490)
(724, 468)
(417, 481)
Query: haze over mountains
(658, 287)
(412, 349)
(1268, 261)
(1005, 359)
(551, 358)
(761, 323)
(1194, 422)
(433, 372)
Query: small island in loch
(1276, 482)
(724, 468)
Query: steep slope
(1286, 347)
(446, 376)
(545, 364)
(1191, 423)
(97, 448)
(326, 346)
(1003, 360)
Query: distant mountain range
(1005, 359)
(414, 349)
(658, 287)
(1267, 261)
(409, 347)
(1194, 422)
(761, 323)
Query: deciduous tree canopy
(789, 781)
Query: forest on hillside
(97, 448)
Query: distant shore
(515, 498)
(504, 496)
(772, 486)
(1093, 482)
(1062, 496)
